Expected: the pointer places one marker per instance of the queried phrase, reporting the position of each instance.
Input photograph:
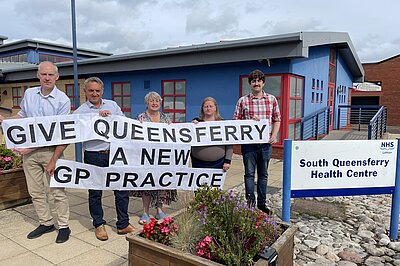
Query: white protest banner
(72, 174)
(56, 130)
(146, 154)
(343, 164)
(50, 130)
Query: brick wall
(388, 72)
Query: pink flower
(167, 220)
(208, 239)
(200, 253)
(7, 159)
(165, 230)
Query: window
(53, 58)
(296, 105)
(272, 85)
(15, 58)
(332, 65)
(69, 91)
(17, 96)
(174, 99)
(121, 94)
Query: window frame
(174, 95)
(296, 120)
(19, 96)
(123, 96)
(71, 97)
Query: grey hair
(152, 95)
(48, 62)
(93, 79)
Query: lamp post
(78, 146)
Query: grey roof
(15, 65)
(23, 44)
(293, 45)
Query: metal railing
(315, 124)
(377, 125)
(362, 118)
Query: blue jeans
(256, 156)
(95, 205)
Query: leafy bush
(233, 232)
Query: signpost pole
(287, 169)
(394, 215)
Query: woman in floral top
(154, 198)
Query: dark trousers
(256, 156)
(95, 204)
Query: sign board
(343, 164)
(342, 168)
(366, 86)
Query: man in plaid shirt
(258, 105)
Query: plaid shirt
(266, 107)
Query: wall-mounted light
(4, 93)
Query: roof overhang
(24, 44)
(294, 45)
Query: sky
(125, 26)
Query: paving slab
(57, 253)
(27, 258)
(18, 225)
(95, 257)
(118, 246)
(36, 243)
(10, 249)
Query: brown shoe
(101, 233)
(129, 229)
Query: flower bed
(217, 228)
(143, 251)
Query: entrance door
(331, 104)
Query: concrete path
(83, 248)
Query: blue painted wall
(343, 78)
(316, 66)
(221, 81)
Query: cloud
(372, 49)
(204, 19)
(294, 25)
(120, 26)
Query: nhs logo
(387, 147)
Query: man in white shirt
(97, 153)
(39, 163)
